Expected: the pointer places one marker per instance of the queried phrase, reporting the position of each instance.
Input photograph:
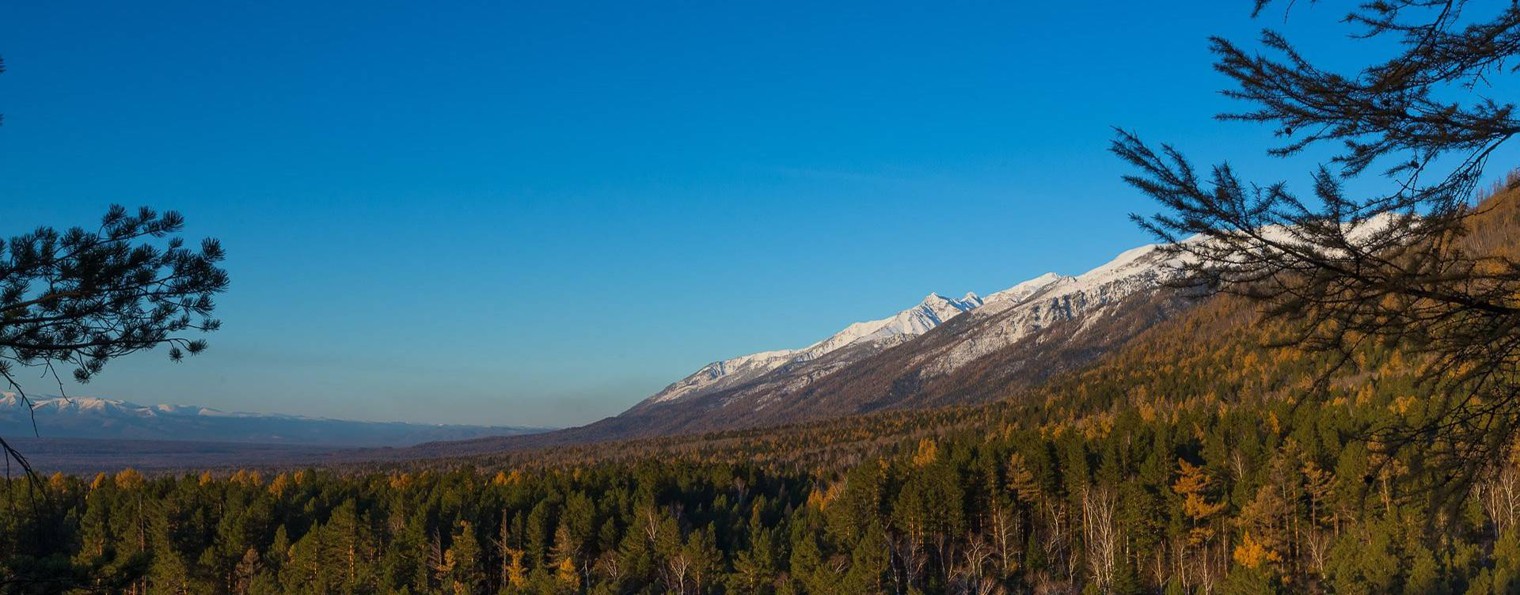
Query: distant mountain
(107, 419)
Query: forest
(1335, 410)
(1193, 461)
(1170, 495)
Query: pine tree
(85, 296)
(756, 567)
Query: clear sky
(540, 213)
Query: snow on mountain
(1020, 313)
(11, 402)
(988, 350)
(998, 321)
(1034, 305)
(933, 311)
(1012, 296)
(723, 374)
(96, 418)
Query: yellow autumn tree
(1251, 553)
(99, 481)
(280, 484)
(567, 575)
(517, 575)
(927, 453)
(129, 479)
(1196, 488)
(1021, 479)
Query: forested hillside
(1195, 460)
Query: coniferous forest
(1190, 462)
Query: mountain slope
(1061, 347)
(1047, 326)
(1014, 337)
(860, 337)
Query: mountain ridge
(930, 312)
(112, 419)
(1015, 336)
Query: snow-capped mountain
(929, 313)
(1035, 305)
(1018, 293)
(96, 418)
(11, 402)
(940, 351)
(933, 311)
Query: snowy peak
(929, 313)
(13, 401)
(933, 311)
(764, 358)
(724, 373)
(1023, 291)
(966, 303)
(939, 309)
(95, 418)
(1128, 263)
(1147, 261)
(10, 403)
(1026, 310)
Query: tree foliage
(81, 297)
(1393, 266)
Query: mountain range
(94, 418)
(940, 351)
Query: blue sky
(539, 213)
